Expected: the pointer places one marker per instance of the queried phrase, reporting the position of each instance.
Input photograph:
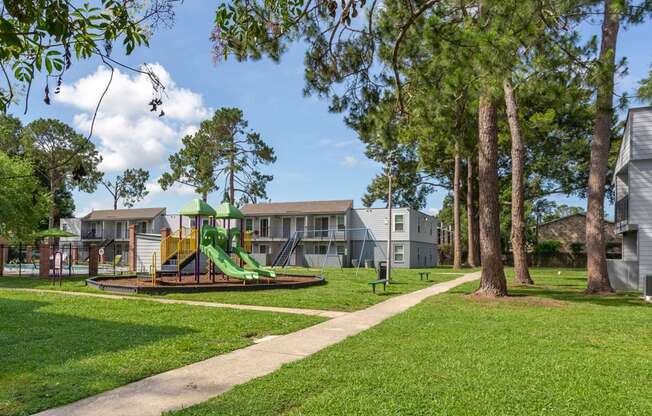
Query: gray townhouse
(311, 232)
(110, 228)
(633, 216)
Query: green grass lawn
(547, 350)
(55, 349)
(345, 291)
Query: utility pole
(389, 221)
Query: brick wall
(572, 229)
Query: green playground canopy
(54, 232)
(197, 207)
(227, 210)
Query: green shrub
(577, 248)
(549, 247)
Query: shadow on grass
(35, 338)
(620, 299)
(561, 290)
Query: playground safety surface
(169, 284)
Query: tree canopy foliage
(128, 187)
(48, 36)
(223, 149)
(23, 202)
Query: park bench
(425, 275)
(373, 284)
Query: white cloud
(176, 189)
(129, 134)
(432, 211)
(93, 205)
(339, 144)
(350, 161)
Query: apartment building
(335, 233)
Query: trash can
(648, 288)
(382, 270)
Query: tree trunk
(231, 187)
(53, 205)
(472, 258)
(492, 280)
(457, 238)
(476, 230)
(521, 272)
(598, 278)
(232, 175)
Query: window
(264, 227)
(399, 253)
(321, 249)
(141, 227)
(430, 229)
(249, 224)
(262, 249)
(93, 231)
(398, 222)
(341, 250)
(321, 226)
(341, 223)
(418, 224)
(120, 230)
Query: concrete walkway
(203, 380)
(296, 311)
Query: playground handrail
(169, 247)
(187, 246)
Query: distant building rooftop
(304, 207)
(124, 214)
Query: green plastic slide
(226, 265)
(252, 264)
(212, 241)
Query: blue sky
(318, 156)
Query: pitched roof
(303, 207)
(581, 214)
(123, 214)
(227, 210)
(197, 207)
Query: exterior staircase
(177, 251)
(283, 256)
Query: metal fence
(66, 259)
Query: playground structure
(205, 257)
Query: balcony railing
(305, 234)
(622, 211)
(92, 234)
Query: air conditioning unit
(648, 288)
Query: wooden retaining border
(136, 284)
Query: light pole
(390, 164)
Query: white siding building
(633, 183)
(414, 235)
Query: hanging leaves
(45, 36)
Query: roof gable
(123, 214)
(302, 207)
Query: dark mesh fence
(64, 258)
